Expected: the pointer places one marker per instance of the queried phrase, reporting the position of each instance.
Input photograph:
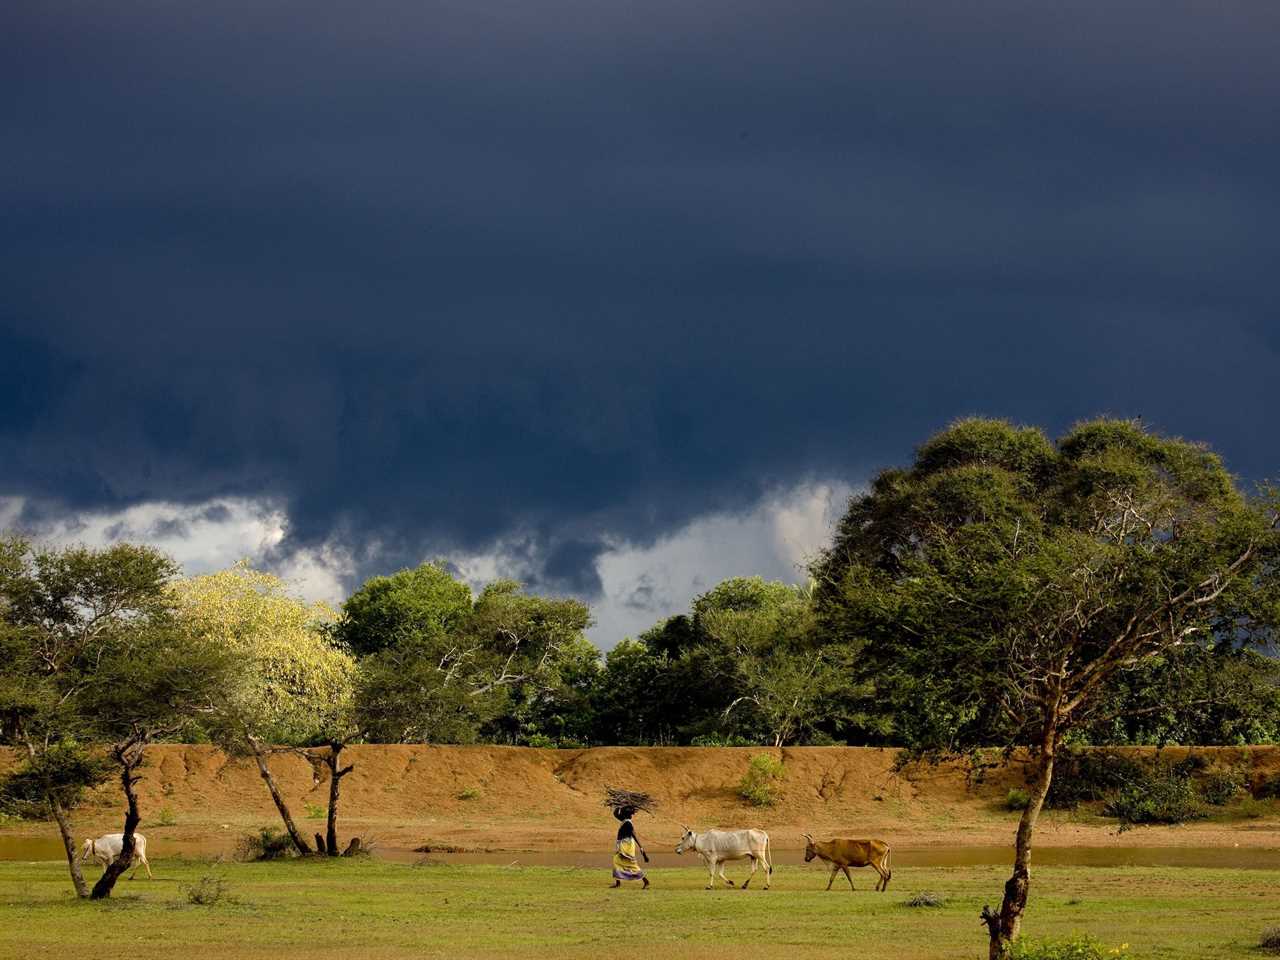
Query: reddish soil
(522, 799)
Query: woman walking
(624, 804)
(626, 866)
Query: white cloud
(202, 537)
(644, 584)
(641, 584)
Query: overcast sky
(617, 298)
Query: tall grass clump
(267, 844)
(208, 891)
(1270, 942)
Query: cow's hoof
(708, 887)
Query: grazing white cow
(106, 848)
(716, 847)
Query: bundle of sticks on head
(625, 803)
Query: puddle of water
(1252, 858)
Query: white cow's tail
(768, 852)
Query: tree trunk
(1005, 925)
(69, 845)
(260, 756)
(335, 785)
(130, 758)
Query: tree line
(1113, 586)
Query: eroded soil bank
(514, 799)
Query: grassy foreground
(374, 909)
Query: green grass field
(375, 909)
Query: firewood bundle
(627, 802)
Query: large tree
(786, 681)
(507, 662)
(94, 651)
(1002, 583)
(295, 682)
(416, 606)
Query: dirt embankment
(514, 798)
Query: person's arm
(640, 847)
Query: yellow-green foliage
(297, 683)
(761, 782)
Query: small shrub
(1270, 942)
(759, 785)
(1168, 797)
(471, 793)
(314, 811)
(267, 844)
(165, 817)
(1017, 799)
(1253, 809)
(1219, 789)
(1075, 948)
(925, 899)
(541, 740)
(208, 891)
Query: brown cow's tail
(888, 866)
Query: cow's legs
(146, 865)
(884, 877)
(723, 877)
(848, 876)
(835, 867)
(752, 874)
(711, 866)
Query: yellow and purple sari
(626, 862)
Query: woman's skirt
(625, 864)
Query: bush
(1268, 789)
(1017, 799)
(924, 899)
(1270, 942)
(471, 793)
(1082, 775)
(759, 785)
(1076, 948)
(165, 817)
(314, 811)
(1219, 789)
(1253, 809)
(208, 891)
(267, 844)
(1167, 796)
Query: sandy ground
(521, 799)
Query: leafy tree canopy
(412, 606)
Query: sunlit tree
(295, 684)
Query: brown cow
(843, 854)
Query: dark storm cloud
(434, 275)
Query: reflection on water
(50, 848)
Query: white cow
(716, 847)
(106, 848)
